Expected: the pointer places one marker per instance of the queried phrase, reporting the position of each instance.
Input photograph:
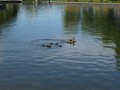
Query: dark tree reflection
(8, 15)
(104, 22)
(71, 19)
(9, 12)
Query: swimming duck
(51, 43)
(56, 43)
(49, 46)
(71, 40)
(60, 46)
(43, 45)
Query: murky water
(92, 63)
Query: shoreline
(7, 1)
(2, 5)
(84, 3)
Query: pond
(91, 63)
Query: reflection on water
(71, 19)
(8, 16)
(93, 63)
(9, 12)
(104, 22)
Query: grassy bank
(99, 1)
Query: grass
(99, 1)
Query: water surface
(93, 63)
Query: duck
(56, 43)
(51, 43)
(43, 45)
(49, 46)
(60, 46)
(71, 40)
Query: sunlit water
(93, 63)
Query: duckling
(51, 43)
(43, 45)
(49, 46)
(56, 43)
(60, 46)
